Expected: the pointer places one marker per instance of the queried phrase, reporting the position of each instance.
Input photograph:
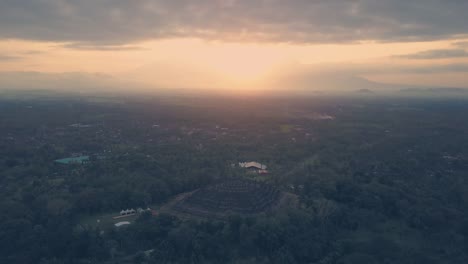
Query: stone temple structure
(236, 196)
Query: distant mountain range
(434, 90)
(288, 83)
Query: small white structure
(128, 212)
(252, 165)
(119, 224)
(141, 210)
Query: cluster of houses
(254, 167)
(133, 211)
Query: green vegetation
(384, 181)
(286, 128)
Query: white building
(252, 165)
(119, 224)
(127, 212)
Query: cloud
(113, 22)
(87, 46)
(461, 44)
(437, 54)
(443, 68)
(426, 69)
(32, 52)
(68, 81)
(9, 57)
(343, 69)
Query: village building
(254, 167)
(73, 160)
(128, 212)
(119, 224)
(133, 211)
(141, 210)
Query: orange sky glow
(234, 45)
(211, 64)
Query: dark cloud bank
(302, 21)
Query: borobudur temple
(236, 196)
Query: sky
(233, 45)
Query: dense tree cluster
(382, 182)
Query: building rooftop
(252, 164)
(73, 160)
(122, 223)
